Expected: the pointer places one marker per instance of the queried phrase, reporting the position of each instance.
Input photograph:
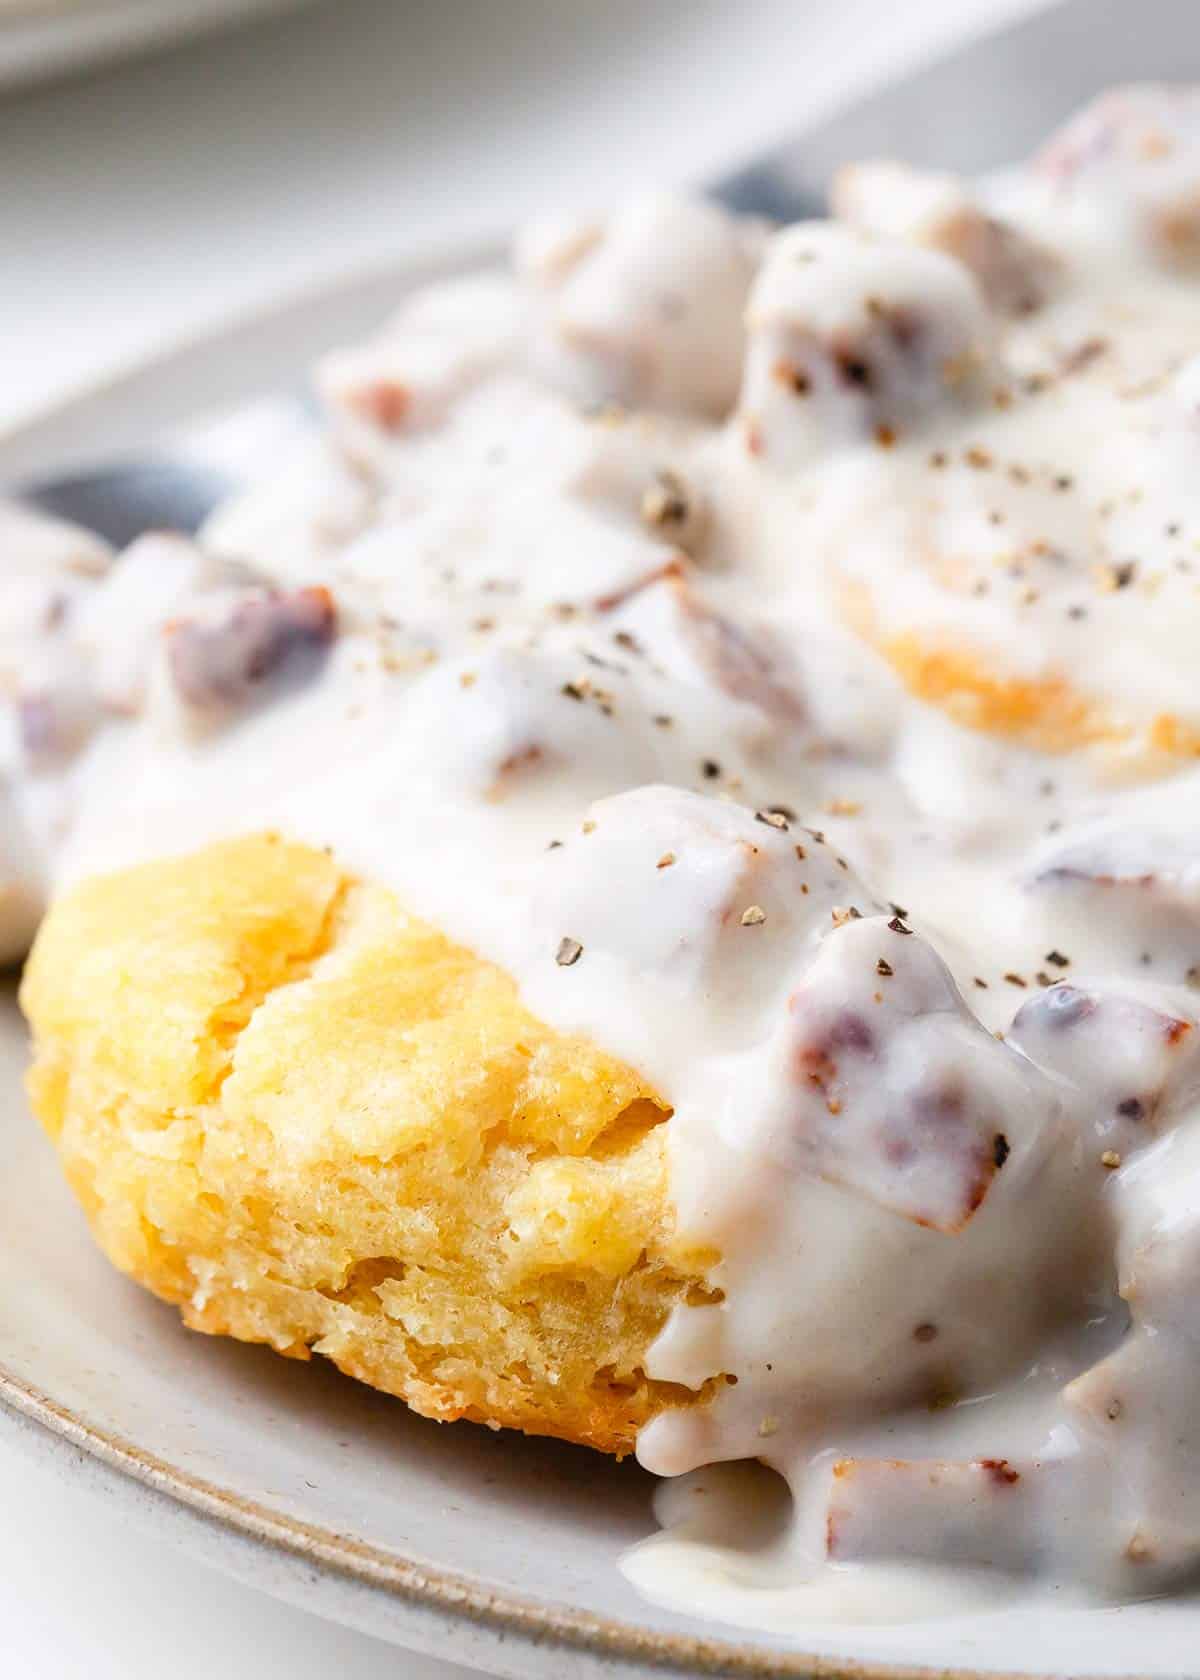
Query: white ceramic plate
(483, 1547)
(41, 38)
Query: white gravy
(779, 651)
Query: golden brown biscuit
(310, 1120)
(1046, 713)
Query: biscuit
(308, 1119)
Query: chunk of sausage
(55, 723)
(717, 903)
(941, 211)
(1138, 1406)
(984, 1511)
(1134, 154)
(1134, 1059)
(116, 627)
(1141, 884)
(854, 339)
(224, 663)
(889, 1085)
(694, 641)
(515, 722)
(288, 523)
(437, 349)
(645, 308)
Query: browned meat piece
(440, 346)
(741, 663)
(941, 212)
(1136, 151)
(1143, 883)
(894, 1089)
(55, 723)
(982, 1511)
(715, 899)
(263, 640)
(853, 338)
(645, 309)
(1138, 1406)
(1150, 861)
(1136, 1061)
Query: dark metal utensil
(122, 501)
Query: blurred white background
(141, 204)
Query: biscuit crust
(308, 1119)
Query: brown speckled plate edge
(617, 1647)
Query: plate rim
(505, 1614)
(619, 1646)
(26, 434)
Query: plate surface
(483, 1547)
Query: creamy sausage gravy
(778, 649)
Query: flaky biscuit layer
(309, 1120)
